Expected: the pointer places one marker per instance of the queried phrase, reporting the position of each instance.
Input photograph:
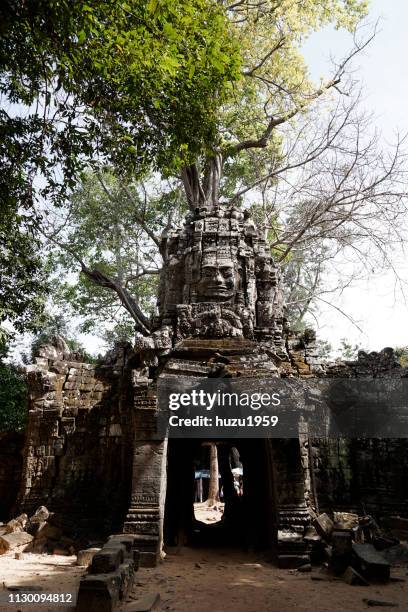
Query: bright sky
(376, 304)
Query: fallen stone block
(17, 524)
(353, 578)
(307, 567)
(98, 593)
(22, 588)
(345, 520)
(48, 531)
(292, 561)
(324, 526)
(341, 550)
(148, 603)
(40, 515)
(371, 563)
(341, 542)
(84, 557)
(380, 603)
(14, 540)
(396, 554)
(108, 559)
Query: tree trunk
(213, 495)
(202, 188)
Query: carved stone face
(218, 282)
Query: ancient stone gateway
(92, 453)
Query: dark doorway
(248, 517)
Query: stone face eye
(227, 271)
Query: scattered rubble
(40, 534)
(351, 547)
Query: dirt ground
(195, 580)
(203, 580)
(54, 573)
(208, 515)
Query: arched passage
(249, 520)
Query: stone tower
(220, 306)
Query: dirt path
(230, 581)
(201, 580)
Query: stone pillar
(146, 512)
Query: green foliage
(135, 82)
(324, 350)
(22, 275)
(401, 353)
(144, 78)
(13, 395)
(108, 219)
(348, 351)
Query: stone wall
(78, 449)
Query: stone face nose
(219, 279)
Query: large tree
(137, 82)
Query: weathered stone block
(98, 593)
(108, 559)
(14, 540)
(324, 525)
(17, 524)
(84, 557)
(102, 592)
(371, 563)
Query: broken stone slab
(292, 561)
(345, 520)
(84, 557)
(324, 525)
(396, 554)
(380, 603)
(108, 559)
(353, 578)
(48, 531)
(148, 603)
(14, 540)
(40, 515)
(371, 563)
(26, 587)
(17, 524)
(307, 567)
